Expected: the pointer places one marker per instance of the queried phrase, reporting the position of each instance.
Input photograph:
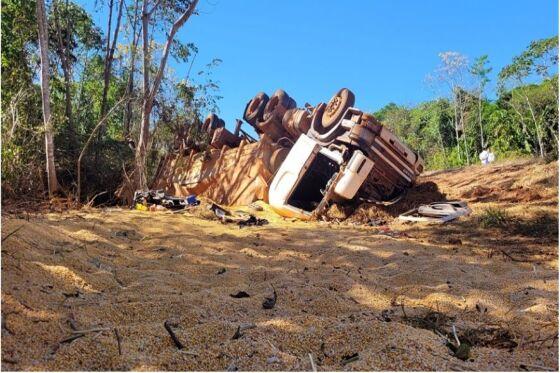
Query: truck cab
(357, 157)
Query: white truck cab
(308, 173)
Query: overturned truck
(304, 158)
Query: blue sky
(381, 50)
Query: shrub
(494, 218)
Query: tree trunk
(45, 96)
(537, 127)
(140, 156)
(109, 54)
(480, 120)
(63, 52)
(130, 82)
(68, 111)
(455, 122)
(463, 127)
(150, 92)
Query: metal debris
(304, 158)
(240, 294)
(437, 212)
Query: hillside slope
(389, 293)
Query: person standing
(483, 156)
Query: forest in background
(452, 129)
(114, 105)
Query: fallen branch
(167, 326)
(511, 257)
(189, 353)
(404, 313)
(94, 197)
(552, 337)
(10, 361)
(350, 358)
(117, 335)
(12, 232)
(238, 333)
(71, 338)
(90, 138)
(455, 335)
(313, 366)
(535, 367)
(90, 330)
(247, 326)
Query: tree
(480, 72)
(184, 9)
(132, 65)
(452, 73)
(540, 57)
(72, 30)
(109, 56)
(45, 95)
(19, 42)
(63, 50)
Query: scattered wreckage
(144, 199)
(437, 212)
(304, 158)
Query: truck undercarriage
(304, 157)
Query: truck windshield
(308, 192)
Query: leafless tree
(452, 73)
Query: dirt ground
(353, 296)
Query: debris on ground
(346, 359)
(158, 200)
(256, 207)
(240, 294)
(437, 212)
(304, 159)
(168, 325)
(241, 218)
(340, 287)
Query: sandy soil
(389, 293)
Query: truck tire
(255, 109)
(212, 122)
(336, 107)
(279, 102)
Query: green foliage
(539, 58)
(481, 70)
(19, 43)
(522, 121)
(494, 218)
(73, 32)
